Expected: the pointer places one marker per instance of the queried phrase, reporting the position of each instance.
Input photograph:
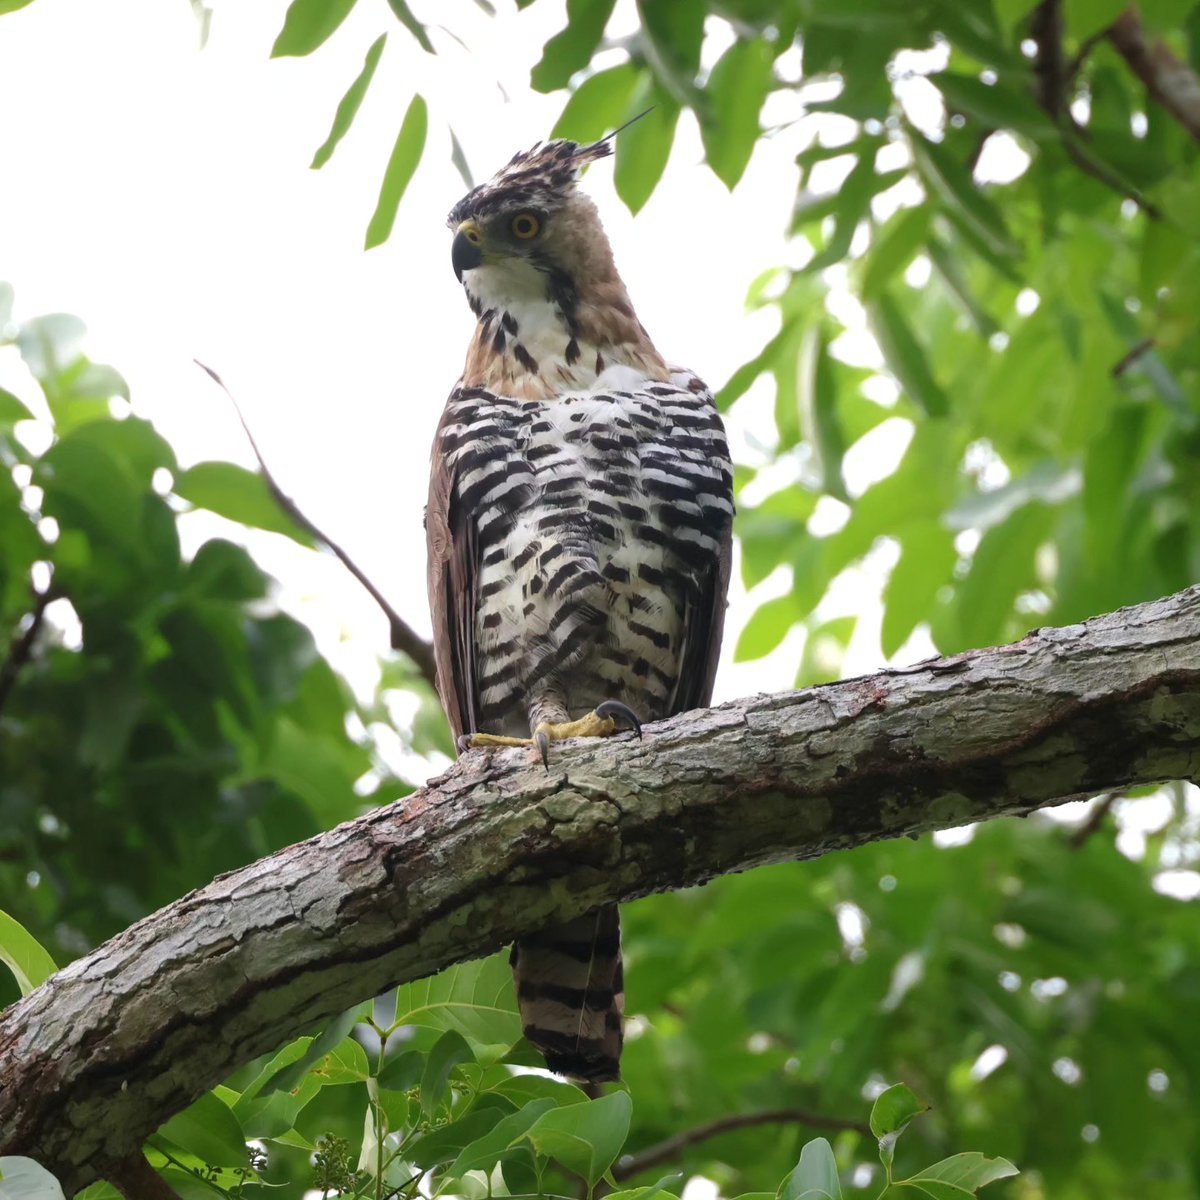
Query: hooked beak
(466, 252)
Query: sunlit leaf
(586, 1138)
(405, 16)
(406, 154)
(815, 1176)
(23, 955)
(350, 103)
(208, 1129)
(475, 999)
(737, 87)
(238, 494)
(308, 24)
(571, 49)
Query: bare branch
(21, 649)
(1095, 821)
(1171, 82)
(136, 1179)
(403, 636)
(671, 1148)
(103, 1052)
(1052, 83)
(1136, 352)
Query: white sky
(162, 193)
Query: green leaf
(892, 250)
(671, 32)
(349, 104)
(208, 1129)
(894, 1108)
(905, 358)
(890, 1115)
(643, 148)
(12, 410)
(737, 87)
(308, 24)
(238, 495)
(571, 49)
(995, 106)
(1086, 18)
(448, 1052)
(769, 624)
(824, 649)
(404, 15)
(1002, 567)
(474, 998)
(459, 159)
(585, 1138)
(852, 202)
(815, 1176)
(964, 1174)
(406, 154)
(402, 1071)
(927, 558)
(448, 1141)
(8, 6)
(345, 1063)
(950, 180)
(484, 1154)
(600, 103)
(22, 953)
(817, 398)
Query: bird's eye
(525, 226)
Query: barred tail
(571, 993)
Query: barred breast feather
(582, 550)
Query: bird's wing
(453, 573)
(704, 616)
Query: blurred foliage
(998, 297)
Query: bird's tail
(571, 993)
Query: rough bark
(110, 1047)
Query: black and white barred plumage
(579, 530)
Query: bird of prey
(578, 528)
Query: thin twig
(1095, 819)
(1138, 350)
(1169, 80)
(670, 1148)
(21, 649)
(403, 636)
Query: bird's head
(529, 230)
(533, 258)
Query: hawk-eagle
(578, 528)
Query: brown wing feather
(703, 624)
(453, 570)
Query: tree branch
(1052, 82)
(136, 1179)
(21, 648)
(1171, 82)
(672, 1147)
(107, 1049)
(403, 636)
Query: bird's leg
(605, 720)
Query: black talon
(462, 743)
(621, 713)
(543, 745)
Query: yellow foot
(607, 718)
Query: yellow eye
(525, 226)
